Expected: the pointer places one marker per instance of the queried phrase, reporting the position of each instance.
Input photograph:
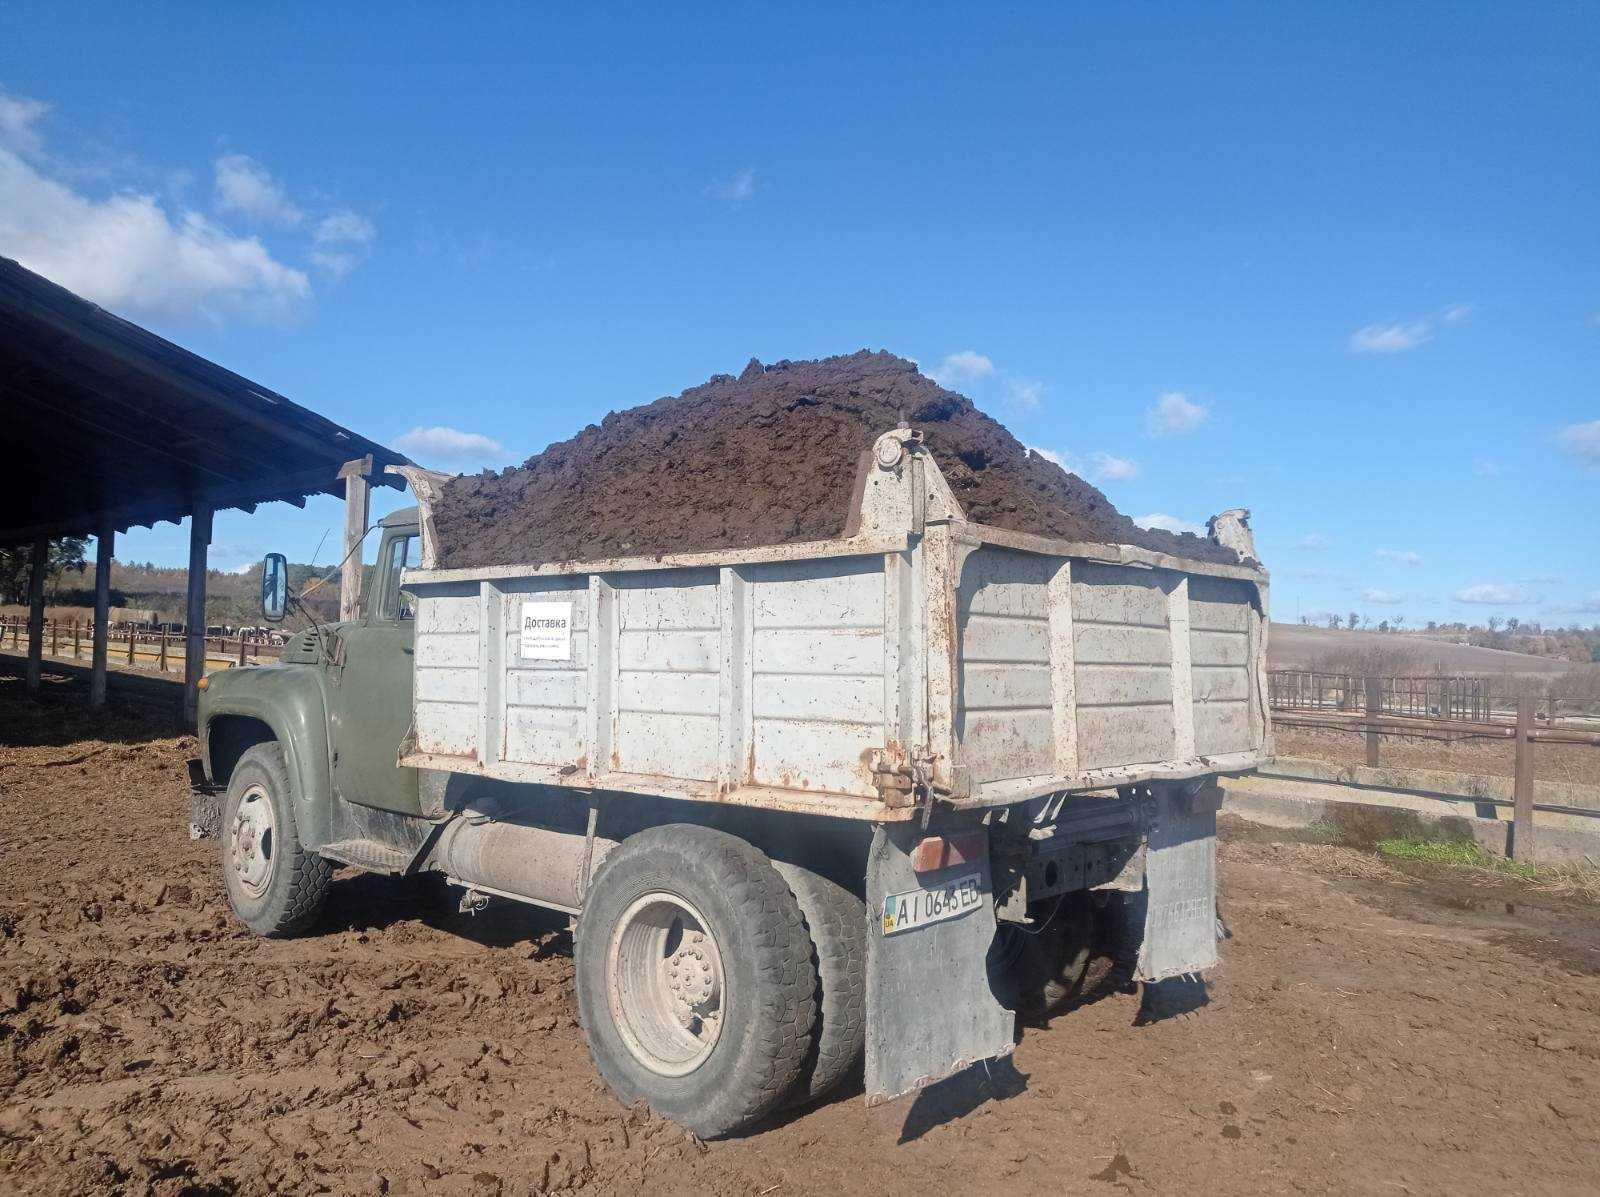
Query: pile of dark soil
(767, 458)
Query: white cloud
(1582, 442)
(1505, 593)
(126, 253)
(1170, 523)
(19, 118)
(1398, 556)
(1097, 467)
(1546, 580)
(967, 365)
(244, 187)
(1488, 469)
(451, 448)
(1390, 338)
(1023, 395)
(1403, 335)
(1385, 597)
(341, 240)
(1108, 467)
(1174, 415)
(1313, 542)
(735, 190)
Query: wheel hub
(252, 841)
(666, 984)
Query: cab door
(369, 688)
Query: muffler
(525, 861)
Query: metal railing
(1464, 698)
(1429, 708)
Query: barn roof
(105, 421)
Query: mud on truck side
(810, 804)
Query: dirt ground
(769, 457)
(1575, 763)
(1368, 1030)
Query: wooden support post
(1522, 837)
(37, 565)
(105, 546)
(1374, 706)
(357, 476)
(241, 648)
(161, 664)
(194, 648)
(131, 643)
(55, 637)
(77, 639)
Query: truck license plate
(920, 907)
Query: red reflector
(945, 851)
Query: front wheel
(695, 984)
(275, 886)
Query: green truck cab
(333, 710)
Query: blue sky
(1339, 264)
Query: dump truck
(812, 808)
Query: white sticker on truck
(546, 632)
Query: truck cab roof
(399, 518)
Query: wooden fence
(136, 645)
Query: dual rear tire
(715, 985)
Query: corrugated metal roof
(102, 419)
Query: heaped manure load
(766, 458)
(753, 594)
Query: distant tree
(1399, 621)
(1433, 625)
(16, 564)
(1333, 622)
(1494, 623)
(1383, 625)
(1353, 621)
(1512, 625)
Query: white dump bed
(919, 653)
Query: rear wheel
(837, 922)
(275, 886)
(695, 984)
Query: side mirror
(274, 587)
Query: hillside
(1297, 646)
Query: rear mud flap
(1180, 926)
(930, 1009)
